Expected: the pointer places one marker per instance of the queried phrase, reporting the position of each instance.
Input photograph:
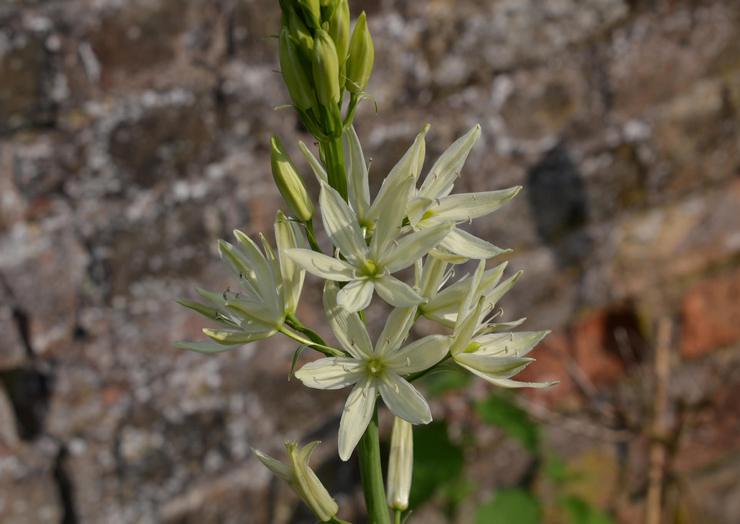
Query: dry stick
(658, 446)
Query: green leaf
(510, 506)
(499, 410)
(581, 512)
(437, 462)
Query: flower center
(370, 268)
(375, 367)
(472, 347)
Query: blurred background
(134, 133)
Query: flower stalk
(372, 473)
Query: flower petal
(396, 329)
(282, 471)
(464, 207)
(236, 336)
(330, 373)
(389, 222)
(358, 187)
(495, 366)
(441, 178)
(403, 399)
(347, 327)
(341, 225)
(318, 170)
(414, 246)
(321, 265)
(420, 355)
(397, 293)
(409, 166)
(507, 382)
(516, 344)
(356, 295)
(464, 244)
(289, 235)
(358, 410)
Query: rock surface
(134, 133)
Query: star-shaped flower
(270, 290)
(373, 370)
(478, 346)
(368, 268)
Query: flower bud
(289, 182)
(325, 69)
(288, 235)
(312, 10)
(361, 57)
(299, 33)
(302, 479)
(339, 30)
(294, 74)
(400, 464)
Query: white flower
(302, 479)
(368, 268)
(270, 289)
(432, 204)
(373, 370)
(479, 348)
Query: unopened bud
(312, 10)
(361, 56)
(289, 182)
(339, 30)
(299, 33)
(295, 74)
(325, 69)
(400, 464)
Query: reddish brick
(710, 315)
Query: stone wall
(133, 134)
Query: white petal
(358, 410)
(507, 382)
(414, 246)
(316, 167)
(266, 273)
(409, 166)
(236, 336)
(281, 470)
(321, 265)
(509, 344)
(464, 244)
(289, 235)
(446, 169)
(494, 366)
(464, 329)
(347, 327)
(464, 207)
(356, 295)
(396, 329)
(390, 217)
(341, 225)
(420, 355)
(397, 293)
(403, 399)
(330, 373)
(358, 187)
(499, 291)
(445, 303)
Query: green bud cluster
(321, 59)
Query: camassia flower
(302, 479)
(270, 290)
(480, 348)
(433, 204)
(373, 370)
(368, 268)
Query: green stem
(397, 516)
(372, 473)
(318, 346)
(332, 152)
(337, 520)
(311, 236)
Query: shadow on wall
(559, 204)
